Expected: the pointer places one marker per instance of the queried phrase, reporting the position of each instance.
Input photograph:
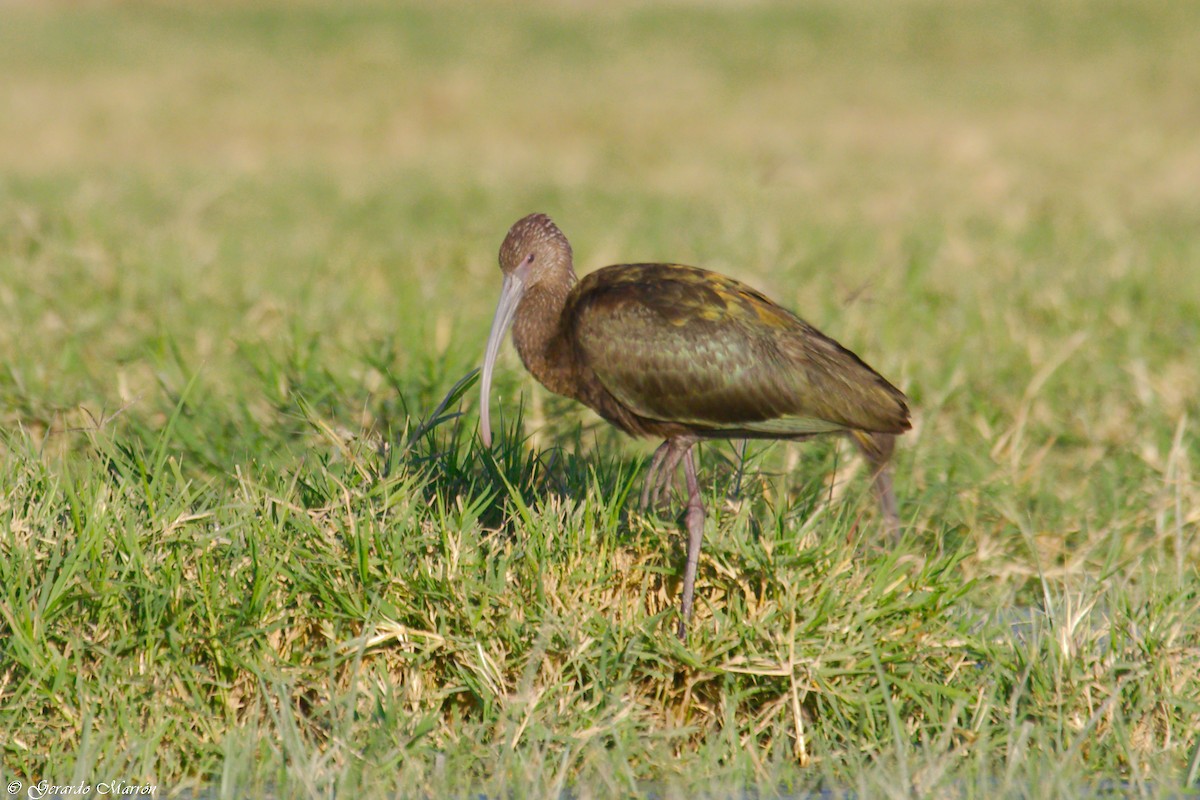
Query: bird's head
(535, 247)
(534, 250)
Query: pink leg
(652, 473)
(695, 529)
(878, 447)
(662, 470)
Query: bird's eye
(529, 258)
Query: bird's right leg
(878, 448)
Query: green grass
(246, 252)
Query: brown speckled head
(534, 252)
(531, 239)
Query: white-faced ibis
(683, 354)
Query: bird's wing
(686, 345)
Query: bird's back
(688, 346)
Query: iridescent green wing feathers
(695, 347)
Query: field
(251, 544)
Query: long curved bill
(510, 295)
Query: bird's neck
(538, 334)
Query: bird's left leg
(652, 472)
(695, 529)
(662, 469)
